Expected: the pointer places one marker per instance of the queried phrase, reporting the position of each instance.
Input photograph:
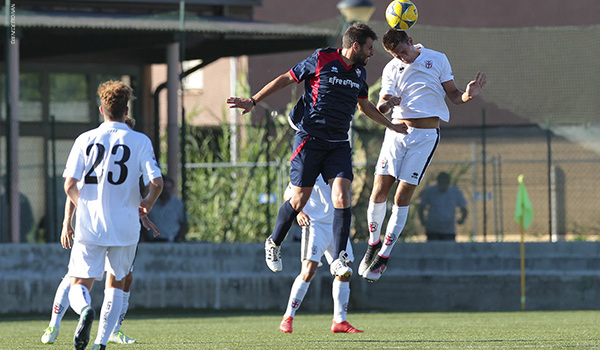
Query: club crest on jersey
(358, 72)
(314, 250)
(383, 164)
(372, 226)
(428, 64)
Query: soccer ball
(401, 14)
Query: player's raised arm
(473, 89)
(275, 85)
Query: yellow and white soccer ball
(401, 14)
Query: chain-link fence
(231, 202)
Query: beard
(361, 59)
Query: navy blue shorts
(313, 156)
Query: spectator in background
(169, 215)
(26, 214)
(440, 201)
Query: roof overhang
(77, 37)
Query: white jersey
(419, 85)
(319, 206)
(108, 161)
(317, 237)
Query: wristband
(253, 101)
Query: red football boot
(344, 327)
(286, 324)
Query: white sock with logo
(61, 302)
(299, 289)
(124, 308)
(375, 217)
(394, 229)
(109, 314)
(341, 295)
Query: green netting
(541, 73)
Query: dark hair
(393, 37)
(443, 176)
(357, 33)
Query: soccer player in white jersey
(316, 220)
(61, 297)
(413, 87)
(108, 161)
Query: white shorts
(90, 261)
(317, 240)
(406, 157)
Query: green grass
(248, 330)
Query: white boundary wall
(434, 276)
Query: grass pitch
(157, 330)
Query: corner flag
(523, 216)
(523, 210)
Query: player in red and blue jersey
(335, 84)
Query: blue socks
(341, 229)
(285, 218)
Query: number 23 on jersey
(118, 173)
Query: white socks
(79, 297)
(61, 302)
(109, 314)
(341, 294)
(124, 308)
(394, 229)
(297, 294)
(340, 291)
(375, 217)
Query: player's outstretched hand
(475, 86)
(149, 225)
(244, 103)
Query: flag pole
(522, 265)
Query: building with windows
(56, 53)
